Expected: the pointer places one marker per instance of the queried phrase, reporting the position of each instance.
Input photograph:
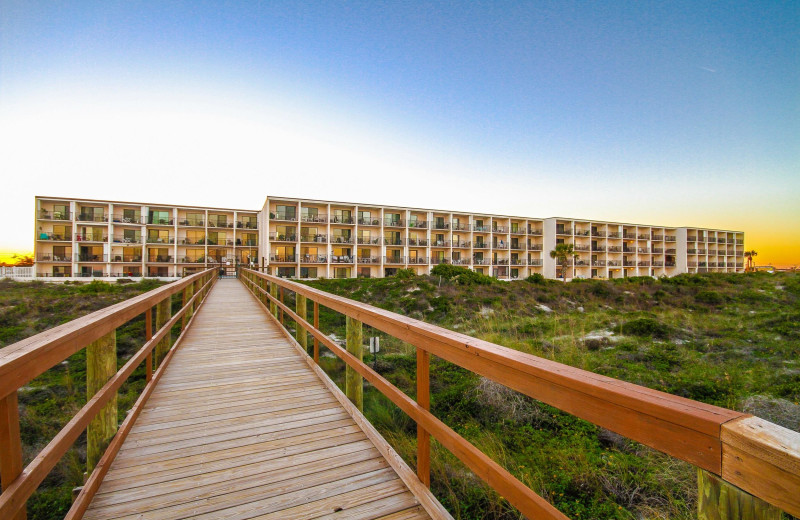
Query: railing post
(281, 310)
(273, 291)
(300, 332)
(354, 383)
(316, 326)
(187, 295)
(148, 335)
(163, 313)
(720, 500)
(424, 400)
(101, 364)
(10, 445)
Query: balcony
(460, 261)
(441, 225)
(499, 229)
(629, 236)
(480, 261)
(284, 216)
(313, 259)
(419, 242)
(280, 237)
(462, 244)
(193, 260)
(581, 263)
(126, 258)
(481, 229)
(418, 224)
(501, 261)
(369, 222)
(643, 263)
(517, 231)
(161, 259)
(440, 243)
(658, 238)
(91, 258)
(644, 236)
(582, 232)
(219, 224)
(517, 246)
(669, 264)
(658, 250)
(518, 261)
(91, 238)
(721, 241)
(161, 240)
(691, 239)
(341, 259)
(535, 232)
(161, 221)
(247, 225)
(218, 242)
(500, 246)
(562, 231)
(691, 251)
(369, 260)
(127, 240)
(318, 238)
(670, 238)
(658, 264)
(393, 241)
(613, 263)
(339, 219)
(50, 257)
(60, 237)
(629, 263)
(369, 240)
(598, 263)
(535, 247)
(671, 251)
(320, 218)
(481, 245)
(599, 234)
(615, 234)
(701, 251)
(135, 220)
(55, 215)
(460, 227)
(581, 248)
(192, 241)
(614, 249)
(341, 239)
(599, 249)
(246, 243)
(535, 262)
(418, 260)
(283, 258)
(192, 222)
(394, 260)
(85, 217)
(439, 260)
(393, 222)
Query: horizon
(679, 115)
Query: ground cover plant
(731, 340)
(48, 402)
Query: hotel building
(311, 239)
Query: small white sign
(374, 344)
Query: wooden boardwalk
(240, 426)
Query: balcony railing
(691, 251)
(160, 240)
(392, 241)
(63, 237)
(481, 245)
(319, 238)
(658, 250)
(502, 246)
(644, 236)
(462, 244)
(55, 215)
(313, 259)
(670, 238)
(582, 232)
(614, 234)
(599, 249)
(441, 225)
(247, 225)
(669, 264)
(91, 238)
(161, 221)
(517, 246)
(420, 242)
(439, 260)
(127, 240)
(460, 261)
(420, 224)
(614, 249)
(368, 260)
(393, 222)
(192, 222)
(658, 238)
(563, 231)
(460, 227)
(596, 233)
(518, 261)
(440, 243)
(480, 229)
(280, 237)
(536, 232)
(121, 219)
(613, 263)
(598, 263)
(629, 263)
(630, 236)
(369, 240)
(283, 258)
(338, 219)
(85, 217)
(341, 259)
(581, 263)
(90, 258)
(418, 260)
(517, 231)
(643, 263)
(193, 260)
(126, 258)
(369, 222)
(160, 258)
(218, 224)
(499, 229)
(658, 264)
(394, 260)
(247, 243)
(282, 215)
(581, 248)
(340, 239)
(480, 261)
(535, 247)
(50, 257)
(535, 262)
(192, 241)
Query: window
(310, 215)
(365, 252)
(515, 227)
(439, 240)
(92, 214)
(392, 219)
(131, 236)
(308, 272)
(194, 219)
(195, 237)
(286, 212)
(343, 215)
(130, 215)
(61, 212)
(158, 236)
(341, 272)
(159, 217)
(286, 272)
(364, 217)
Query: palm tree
(750, 255)
(562, 253)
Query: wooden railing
(29, 358)
(744, 463)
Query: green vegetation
(727, 340)
(48, 402)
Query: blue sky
(675, 113)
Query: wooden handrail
(755, 455)
(32, 356)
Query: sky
(663, 113)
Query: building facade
(312, 239)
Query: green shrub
(709, 298)
(645, 327)
(536, 278)
(461, 275)
(404, 273)
(96, 286)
